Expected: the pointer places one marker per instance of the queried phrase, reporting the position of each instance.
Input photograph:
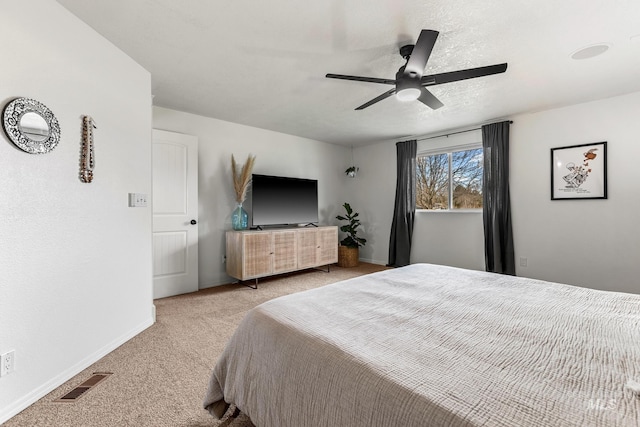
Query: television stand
(253, 254)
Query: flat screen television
(279, 200)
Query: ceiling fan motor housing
(407, 81)
(405, 51)
(407, 84)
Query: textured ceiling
(262, 63)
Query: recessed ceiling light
(590, 51)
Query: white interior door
(175, 213)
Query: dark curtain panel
(496, 206)
(405, 205)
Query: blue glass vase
(239, 218)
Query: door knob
(194, 222)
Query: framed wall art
(579, 172)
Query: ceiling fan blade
(421, 52)
(377, 99)
(361, 79)
(454, 76)
(429, 99)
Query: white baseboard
(25, 401)
(373, 261)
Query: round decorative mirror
(31, 126)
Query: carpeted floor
(160, 376)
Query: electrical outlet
(7, 363)
(137, 200)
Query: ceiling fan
(410, 83)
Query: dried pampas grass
(242, 178)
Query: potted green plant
(348, 251)
(352, 171)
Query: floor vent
(83, 388)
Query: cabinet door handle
(194, 222)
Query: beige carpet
(160, 376)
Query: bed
(428, 345)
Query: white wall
(372, 193)
(592, 243)
(276, 154)
(75, 261)
(449, 238)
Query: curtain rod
(453, 133)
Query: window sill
(448, 211)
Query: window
(449, 180)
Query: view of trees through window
(449, 180)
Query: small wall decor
(31, 126)
(352, 170)
(87, 161)
(579, 172)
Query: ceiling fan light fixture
(407, 86)
(408, 94)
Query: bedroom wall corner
(276, 154)
(372, 194)
(590, 243)
(447, 238)
(75, 263)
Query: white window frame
(449, 151)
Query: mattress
(428, 345)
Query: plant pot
(348, 257)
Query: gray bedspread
(428, 345)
